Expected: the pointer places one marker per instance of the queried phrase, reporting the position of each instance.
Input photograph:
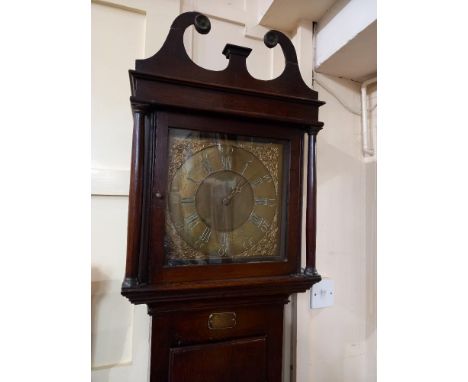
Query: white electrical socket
(322, 294)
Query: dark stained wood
(169, 91)
(158, 92)
(135, 197)
(170, 78)
(148, 164)
(160, 273)
(252, 286)
(178, 330)
(230, 361)
(172, 62)
(311, 213)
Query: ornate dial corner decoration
(269, 155)
(175, 247)
(268, 245)
(181, 149)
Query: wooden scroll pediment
(286, 97)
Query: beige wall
(338, 343)
(333, 344)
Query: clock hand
(236, 190)
(228, 198)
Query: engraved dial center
(224, 200)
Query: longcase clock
(215, 208)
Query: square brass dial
(225, 198)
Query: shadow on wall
(96, 297)
(111, 323)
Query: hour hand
(228, 198)
(234, 191)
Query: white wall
(333, 344)
(337, 344)
(122, 31)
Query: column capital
(315, 128)
(139, 107)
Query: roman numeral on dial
(227, 162)
(223, 244)
(260, 180)
(189, 199)
(255, 219)
(265, 202)
(259, 222)
(203, 238)
(226, 156)
(192, 220)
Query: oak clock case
(215, 205)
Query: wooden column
(135, 197)
(311, 212)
